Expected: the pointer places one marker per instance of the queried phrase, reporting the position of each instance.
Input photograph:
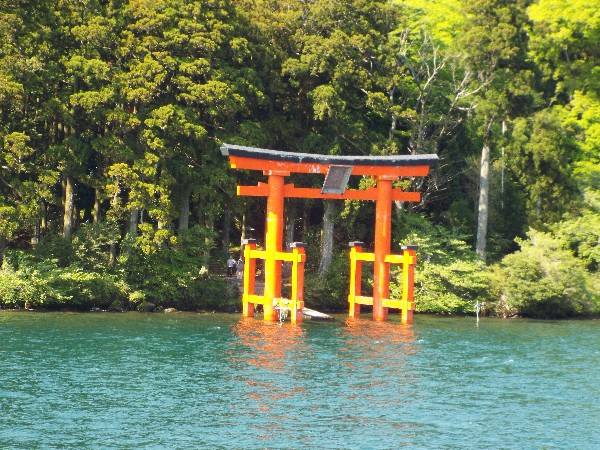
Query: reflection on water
(340, 376)
(263, 360)
(377, 352)
(269, 345)
(374, 340)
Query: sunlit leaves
(581, 235)
(16, 152)
(327, 103)
(9, 220)
(151, 240)
(216, 98)
(96, 32)
(542, 155)
(544, 280)
(565, 41)
(144, 80)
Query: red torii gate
(279, 164)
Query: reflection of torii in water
(268, 348)
(277, 165)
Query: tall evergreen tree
(495, 45)
(337, 70)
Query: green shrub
(91, 244)
(543, 280)
(51, 248)
(136, 297)
(448, 277)
(88, 289)
(14, 290)
(57, 275)
(170, 277)
(45, 283)
(329, 292)
(453, 286)
(581, 235)
(212, 294)
(44, 277)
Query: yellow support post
(409, 260)
(299, 258)
(249, 280)
(355, 278)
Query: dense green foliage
(449, 278)
(544, 280)
(113, 192)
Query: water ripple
(218, 381)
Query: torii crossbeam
(277, 165)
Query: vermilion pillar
(273, 243)
(383, 239)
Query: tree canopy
(112, 113)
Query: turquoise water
(187, 381)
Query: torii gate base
(277, 165)
(271, 301)
(408, 259)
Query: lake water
(216, 381)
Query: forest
(114, 195)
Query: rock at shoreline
(146, 307)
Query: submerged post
(249, 277)
(355, 279)
(298, 260)
(409, 260)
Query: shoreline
(336, 313)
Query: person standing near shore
(230, 266)
(240, 269)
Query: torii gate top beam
(251, 158)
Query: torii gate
(279, 164)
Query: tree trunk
(112, 256)
(484, 187)
(327, 237)
(35, 239)
(2, 248)
(134, 214)
(133, 221)
(97, 205)
(394, 124)
(305, 219)
(113, 252)
(44, 220)
(210, 224)
(184, 209)
(226, 230)
(68, 208)
(243, 234)
(399, 208)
